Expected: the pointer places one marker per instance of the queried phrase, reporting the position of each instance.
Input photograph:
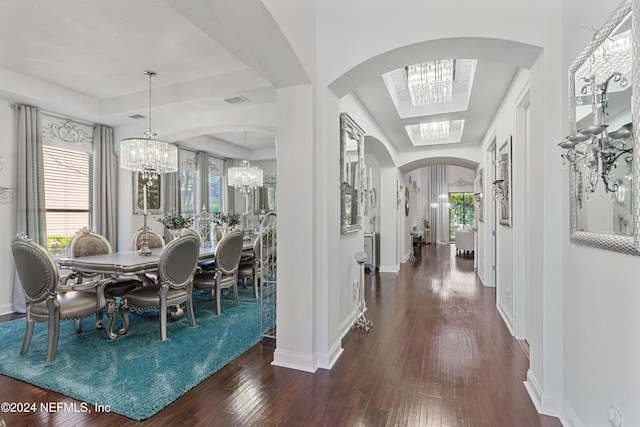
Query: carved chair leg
(162, 314)
(28, 333)
(54, 331)
(235, 293)
(218, 295)
(78, 323)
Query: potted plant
(223, 223)
(175, 223)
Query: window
(215, 183)
(215, 193)
(461, 213)
(188, 176)
(68, 178)
(188, 191)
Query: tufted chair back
(87, 243)
(36, 269)
(178, 261)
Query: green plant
(230, 219)
(174, 221)
(425, 223)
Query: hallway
(438, 355)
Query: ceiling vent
(137, 117)
(236, 100)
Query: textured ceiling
(87, 59)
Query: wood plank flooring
(438, 355)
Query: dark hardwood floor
(438, 355)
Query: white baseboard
(327, 360)
(393, 269)
(534, 390)
(298, 361)
(568, 418)
(6, 308)
(545, 404)
(506, 317)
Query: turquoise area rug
(136, 374)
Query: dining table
(127, 263)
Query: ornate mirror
(351, 173)
(602, 150)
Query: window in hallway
(461, 212)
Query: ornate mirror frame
(619, 243)
(351, 174)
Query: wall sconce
(500, 191)
(477, 197)
(593, 147)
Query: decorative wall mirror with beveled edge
(351, 174)
(602, 150)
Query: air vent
(137, 117)
(236, 100)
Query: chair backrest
(228, 252)
(154, 238)
(36, 269)
(87, 243)
(194, 232)
(178, 261)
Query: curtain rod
(16, 107)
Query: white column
(296, 232)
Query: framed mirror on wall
(602, 148)
(351, 174)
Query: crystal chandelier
(435, 130)
(431, 82)
(147, 154)
(245, 177)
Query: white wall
(600, 293)
(501, 130)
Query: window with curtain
(68, 180)
(188, 176)
(215, 178)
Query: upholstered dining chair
(176, 267)
(154, 238)
(249, 267)
(50, 298)
(87, 243)
(224, 274)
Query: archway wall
(360, 40)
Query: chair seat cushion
(207, 280)
(245, 270)
(73, 305)
(147, 296)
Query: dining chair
(154, 238)
(174, 286)
(50, 298)
(88, 243)
(224, 274)
(249, 267)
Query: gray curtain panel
(30, 191)
(105, 184)
(438, 217)
(203, 170)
